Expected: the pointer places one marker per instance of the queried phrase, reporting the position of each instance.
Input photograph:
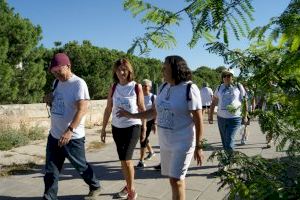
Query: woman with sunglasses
(228, 97)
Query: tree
(210, 19)
(18, 37)
(271, 69)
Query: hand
(143, 135)
(154, 128)
(48, 98)
(210, 120)
(123, 113)
(103, 135)
(199, 156)
(65, 138)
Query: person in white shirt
(126, 94)
(69, 104)
(228, 96)
(206, 98)
(149, 99)
(179, 123)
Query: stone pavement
(200, 184)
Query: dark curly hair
(125, 62)
(180, 70)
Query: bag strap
(55, 84)
(188, 89)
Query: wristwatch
(70, 128)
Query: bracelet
(201, 144)
(71, 129)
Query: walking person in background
(149, 100)
(128, 95)
(69, 104)
(250, 102)
(179, 123)
(228, 96)
(206, 98)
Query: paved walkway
(200, 184)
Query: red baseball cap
(59, 60)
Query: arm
(107, 113)
(142, 108)
(82, 107)
(212, 109)
(198, 120)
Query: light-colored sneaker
(123, 193)
(132, 196)
(93, 194)
(150, 156)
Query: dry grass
(95, 145)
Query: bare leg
(128, 172)
(142, 153)
(150, 150)
(178, 189)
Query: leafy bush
(11, 138)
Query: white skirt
(176, 152)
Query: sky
(106, 24)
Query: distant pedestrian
(69, 104)
(228, 97)
(126, 94)
(179, 123)
(149, 101)
(251, 106)
(206, 98)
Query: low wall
(37, 114)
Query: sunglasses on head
(228, 76)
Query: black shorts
(148, 130)
(205, 107)
(248, 121)
(126, 140)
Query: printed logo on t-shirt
(227, 97)
(123, 103)
(165, 117)
(58, 107)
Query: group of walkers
(175, 114)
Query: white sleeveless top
(148, 103)
(125, 97)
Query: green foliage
(209, 18)
(208, 75)
(18, 38)
(259, 178)
(272, 71)
(286, 28)
(95, 64)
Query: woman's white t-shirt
(173, 111)
(125, 97)
(229, 95)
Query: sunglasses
(227, 76)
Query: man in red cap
(69, 104)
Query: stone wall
(37, 114)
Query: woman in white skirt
(178, 111)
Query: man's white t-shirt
(206, 96)
(63, 109)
